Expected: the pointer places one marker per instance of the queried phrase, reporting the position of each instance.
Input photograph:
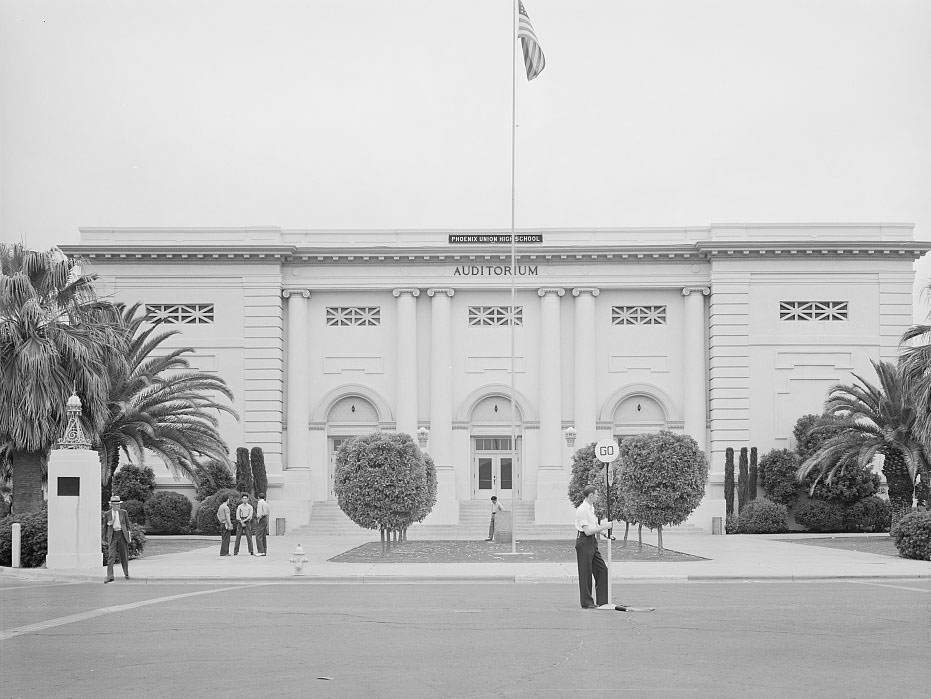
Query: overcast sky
(397, 114)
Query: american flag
(534, 61)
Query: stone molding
(288, 293)
(445, 290)
(397, 293)
(558, 290)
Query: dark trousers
(261, 531)
(118, 549)
(225, 540)
(591, 564)
(242, 529)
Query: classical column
(441, 409)
(298, 378)
(694, 367)
(550, 377)
(405, 390)
(584, 379)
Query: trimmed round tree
(662, 479)
(380, 482)
(779, 476)
(587, 470)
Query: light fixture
(570, 436)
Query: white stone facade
(728, 333)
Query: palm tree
(158, 403)
(55, 339)
(916, 368)
(873, 420)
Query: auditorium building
(727, 333)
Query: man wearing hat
(116, 533)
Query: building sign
(467, 238)
(494, 271)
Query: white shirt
(261, 509)
(244, 512)
(117, 525)
(585, 516)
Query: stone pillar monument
(74, 508)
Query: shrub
(763, 517)
(133, 482)
(754, 474)
(211, 477)
(135, 511)
(259, 475)
(779, 476)
(136, 544)
(871, 514)
(912, 535)
(811, 432)
(820, 516)
(587, 470)
(731, 525)
(168, 512)
(729, 479)
(850, 483)
(33, 538)
(244, 481)
(205, 519)
(662, 479)
(743, 480)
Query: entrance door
(334, 444)
(493, 471)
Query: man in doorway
(262, 512)
(589, 559)
(226, 525)
(495, 509)
(244, 515)
(117, 535)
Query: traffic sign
(606, 451)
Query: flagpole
(515, 469)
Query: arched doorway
(495, 457)
(638, 414)
(352, 416)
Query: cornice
(699, 251)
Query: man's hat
(116, 499)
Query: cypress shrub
(820, 516)
(244, 481)
(743, 477)
(763, 517)
(729, 480)
(259, 475)
(168, 512)
(912, 535)
(754, 473)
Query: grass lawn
(161, 546)
(881, 544)
(560, 551)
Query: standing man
(261, 524)
(116, 533)
(226, 525)
(244, 514)
(586, 552)
(495, 509)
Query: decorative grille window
(496, 315)
(493, 444)
(179, 313)
(353, 316)
(638, 315)
(813, 310)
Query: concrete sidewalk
(731, 557)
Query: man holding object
(587, 555)
(117, 535)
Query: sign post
(606, 451)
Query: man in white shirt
(587, 555)
(262, 512)
(116, 534)
(244, 514)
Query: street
(828, 639)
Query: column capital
(288, 293)
(405, 291)
(579, 290)
(434, 291)
(558, 290)
(703, 290)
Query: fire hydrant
(298, 559)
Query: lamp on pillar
(423, 436)
(74, 437)
(570, 434)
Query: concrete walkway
(732, 557)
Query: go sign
(606, 451)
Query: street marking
(895, 587)
(82, 616)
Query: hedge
(133, 482)
(763, 517)
(135, 510)
(820, 516)
(912, 535)
(871, 514)
(168, 512)
(205, 519)
(33, 539)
